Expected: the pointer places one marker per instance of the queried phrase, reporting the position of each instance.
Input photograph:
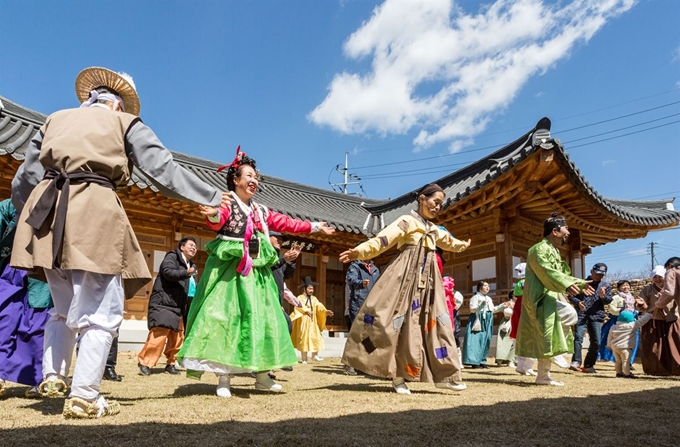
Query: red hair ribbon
(237, 160)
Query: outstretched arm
(386, 239)
(156, 162)
(281, 222)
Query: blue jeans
(594, 331)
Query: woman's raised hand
(326, 229)
(349, 255)
(207, 211)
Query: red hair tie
(237, 160)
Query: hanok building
(500, 202)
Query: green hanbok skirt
(235, 322)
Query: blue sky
(299, 83)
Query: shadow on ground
(609, 420)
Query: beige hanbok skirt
(403, 328)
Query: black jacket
(594, 304)
(168, 302)
(282, 270)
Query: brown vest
(97, 235)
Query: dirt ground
(322, 406)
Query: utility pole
(346, 175)
(651, 251)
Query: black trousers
(112, 359)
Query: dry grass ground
(322, 406)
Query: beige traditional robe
(307, 330)
(403, 328)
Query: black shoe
(484, 366)
(632, 368)
(144, 370)
(630, 376)
(620, 375)
(589, 370)
(110, 374)
(170, 369)
(287, 368)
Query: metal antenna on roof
(346, 177)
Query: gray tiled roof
(468, 180)
(345, 212)
(354, 214)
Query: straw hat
(121, 83)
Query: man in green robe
(546, 314)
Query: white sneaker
(400, 387)
(451, 386)
(223, 386)
(264, 382)
(316, 358)
(550, 382)
(512, 365)
(559, 361)
(528, 372)
(304, 362)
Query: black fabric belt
(60, 181)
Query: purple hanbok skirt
(21, 331)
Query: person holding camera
(235, 323)
(283, 269)
(168, 305)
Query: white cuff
(316, 226)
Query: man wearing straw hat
(74, 229)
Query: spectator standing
(168, 306)
(112, 360)
(309, 320)
(361, 276)
(590, 311)
(661, 338)
(283, 269)
(621, 301)
(479, 327)
(505, 346)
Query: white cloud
(471, 65)
(676, 55)
(608, 162)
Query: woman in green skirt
(235, 324)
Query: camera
(254, 247)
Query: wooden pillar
(503, 252)
(576, 255)
(321, 273)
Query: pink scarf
(246, 264)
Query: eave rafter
(505, 188)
